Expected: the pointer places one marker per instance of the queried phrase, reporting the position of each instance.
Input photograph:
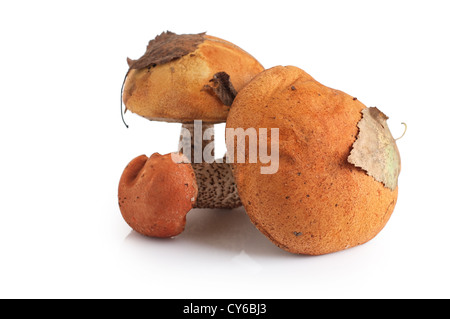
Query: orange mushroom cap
(156, 193)
(170, 81)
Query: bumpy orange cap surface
(156, 193)
(317, 202)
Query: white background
(63, 148)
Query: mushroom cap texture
(155, 194)
(317, 202)
(174, 91)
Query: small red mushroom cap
(156, 193)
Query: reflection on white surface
(215, 231)
(219, 252)
(223, 254)
(247, 262)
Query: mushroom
(156, 193)
(187, 77)
(336, 183)
(182, 78)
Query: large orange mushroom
(336, 184)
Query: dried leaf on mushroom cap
(375, 150)
(166, 47)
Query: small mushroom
(156, 193)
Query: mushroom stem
(216, 186)
(197, 134)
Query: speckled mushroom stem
(215, 181)
(216, 186)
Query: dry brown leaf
(166, 47)
(375, 150)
